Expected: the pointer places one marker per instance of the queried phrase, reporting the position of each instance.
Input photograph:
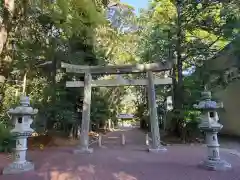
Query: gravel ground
(130, 162)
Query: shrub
(7, 141)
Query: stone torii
(88, 83)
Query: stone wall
(225, 85)
(230, 116)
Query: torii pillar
(84, 138)
(156, 142)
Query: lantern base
(217, 165)
(17, 168)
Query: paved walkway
(134, 138)
(129, 162)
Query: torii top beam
(117, 69)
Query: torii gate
(118, 69)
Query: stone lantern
(210, 126)
(22, 119)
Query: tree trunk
(5, 27)
(179, 89)
(178, 74)
(54, 71)
(8, 11)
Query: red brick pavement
(129, 162)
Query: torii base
(83, 150)
(157, 150)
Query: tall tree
(186, 33)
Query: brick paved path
(130, 162)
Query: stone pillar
(84, 138)
(156, 142)
(21, 116)
(213, 161)
(213, 145)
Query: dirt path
(129, 162)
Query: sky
(137, 4)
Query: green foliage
(65, 31)
(47, 33)
(6, 139)
(188, 33)
(9, 100)
(191, 116)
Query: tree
(186, 33)
(48, 36)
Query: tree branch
(207, 48)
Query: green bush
(7, 141)
(191, 129)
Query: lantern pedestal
(16, 168)
(215, 165)
(213, 161)
(20, 164)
